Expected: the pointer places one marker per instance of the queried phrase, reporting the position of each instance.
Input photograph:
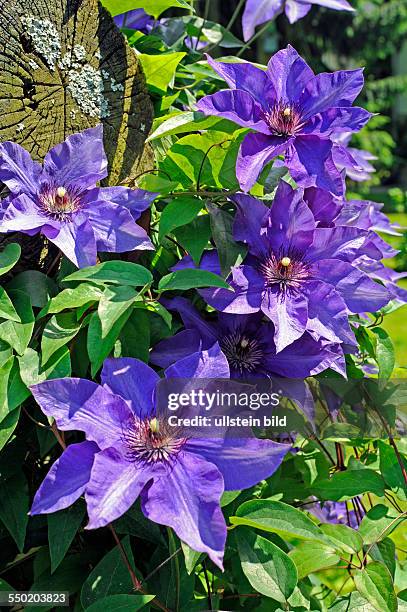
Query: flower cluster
(313, 260)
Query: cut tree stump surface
(64, 67)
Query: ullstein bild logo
(227, 421)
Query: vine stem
(252, 39)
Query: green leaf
(114, 272)
(134, 338)
(18, 335)
(177, 213)
(158, 309)
(35, 284)
(100, 346)
(385, 356)
(391, 470)
(5, 370)
(109, 577)
(120, 603)
(189, 121)
(84, 293)
(159, 70)
(345, 485)
(209, 158)
(152, 7)
(7, 426)
(9, 257)
(62, 527)
(14, 505)
(191, 557)
(278, 517)
(378, 523)
(385, 552)
(195, 236)
(58, 366)
(268, 569)
(230, 252)
(310, 557)
(59, 330)
(345, 539)
(374, 583)
(7, 310)
(190, 279)
(114, 302)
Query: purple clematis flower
(128, 453)
(137, 19)
(300, 276)
(257, 12)
(247, 343)
(292, 112)
(334, 512)
(60, 199)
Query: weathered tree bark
(64, 67)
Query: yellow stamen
(61, 192)
(287, 112)
(154, 425)
(285, 262)
(244, 342)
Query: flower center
(152, 441)
(284, 118)
(287, 272)
(59, 202)
(244, 354)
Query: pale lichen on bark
(64, 66)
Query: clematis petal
(133, 380)
(135, 200)
(311, 164)
(338, 5)
(176, 347)
(243, 462)
(236, 105)
(331, 89)
(324, 206)
(255, 152)
(249, 223)
(80, 160)
(296, 10)
(359, 292)
(248, 287)
(67, 479)
(257, 12)
(289, 315)
(304, 357)
(192, 319)
(204, 364)
(187, 499)
(327, 313)
(114, 486)
(115, 229)
(246, 77)
(209, 261)
(289, 74)
(76, 240)
(345, 243)
(22, 214)
(333, 120)
(292, 224)
(80, 404)
(17, 169)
